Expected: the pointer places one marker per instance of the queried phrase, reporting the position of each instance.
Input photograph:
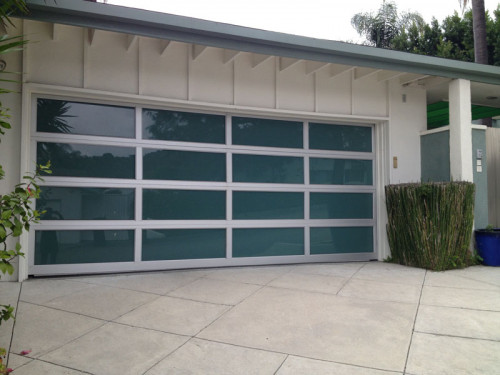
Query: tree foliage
(452, 39)
(382, 27)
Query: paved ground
(353, 318)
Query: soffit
(289, 48)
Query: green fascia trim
(438, 114)
(216, 34)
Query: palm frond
(10, 7)
(11, 43)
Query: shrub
(430, 224)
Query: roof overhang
(215, 34)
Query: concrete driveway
(352, 318)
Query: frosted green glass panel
(80, 160)
(340, 171)
(341, 205)
(338, 240)
(264, 242)
(74, 203)
(271, 133)
(172, 244)
(184, 165)
(61, 116)
(83, 246)
(340, 137)
(254, 205)
(183, 205)
(268, 169)
(183, 126)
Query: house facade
(182, 143)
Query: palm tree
(381, 28)
(479, 29)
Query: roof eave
(215, 34)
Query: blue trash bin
(488, 246)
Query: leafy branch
(16, 215)
(8, 8)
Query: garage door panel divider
(140, 188)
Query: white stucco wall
(10, 150)
(460, 133)
(408, 117)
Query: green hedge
(430, 224)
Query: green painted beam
(438, 114)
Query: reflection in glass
(183, 205)
(183, 126)
(184, 165)
(60, 116)
(341, 205)
(270, 133)
(270, 169)
(338, 240)
(79, 160)
(74, 203)
(340, 137)
(253, 205)
(83, 246)
(263, 242)
(340, 171)
(169, 244)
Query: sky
(323, 19)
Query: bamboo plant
(430, 224)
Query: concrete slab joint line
(295, 319)
(415, 321)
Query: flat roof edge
(215, 34)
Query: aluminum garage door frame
(137, 225)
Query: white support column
(460, 130)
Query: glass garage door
(146, 188)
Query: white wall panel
(163, 72)
(110, 65)
(333, 94)
(254, 87)
(369, 96)
(64, 47)
(211, 80)
(10, 150)
(408, 117)
(295, 89)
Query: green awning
(438, 114)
